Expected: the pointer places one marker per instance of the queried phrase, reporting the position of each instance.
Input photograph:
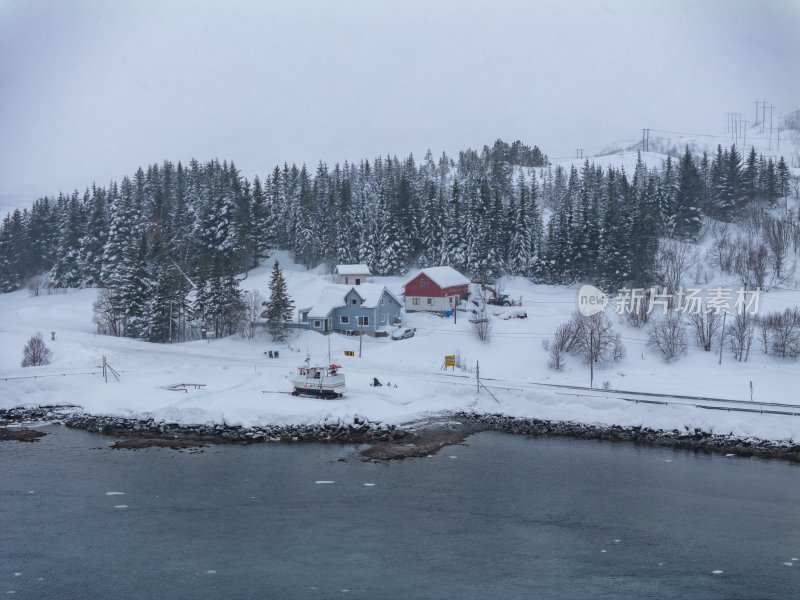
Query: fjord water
(502, 516)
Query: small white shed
(351, 274)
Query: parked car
(403, 333)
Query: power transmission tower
(645, 140)
(763, 114)
(744, 132)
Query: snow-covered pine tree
(135, 286)
(122, 233)
(278, 309)
(687, 218)
(167, 307)
(94, 241)
(68, 270)
(519, 253)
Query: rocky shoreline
(389, 441)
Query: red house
(435, 289)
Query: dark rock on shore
(389, 441)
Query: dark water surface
(507, 517)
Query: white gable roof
(333, 296)
(444, 277)
(352, 269)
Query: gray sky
(91, 90)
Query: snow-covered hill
(244, 387)
(784, 141)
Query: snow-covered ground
(244, 387)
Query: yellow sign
(349, 353)
(450, 361)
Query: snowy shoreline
(366, 432)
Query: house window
(423, 283)
(358, 281)
(317, 324)
(451, 299)
(363, 321)
(430, 301)
(383, 319)
(415, 301)
(353, 301)
(344, 320)
(383, 301)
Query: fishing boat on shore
(324, 382)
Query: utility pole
(744, 130)
(756, 121)
(579, 153)
(645, 140)
(722, 337)
(360, 335)
(170, 321)
(770, 126)
(477, 377)
(591, 358)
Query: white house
(351, 274)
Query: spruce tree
(278, 309)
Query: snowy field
(244, 387)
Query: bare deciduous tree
(780, 332)
(35, 353)
(751, 264)
(740, 336)
(705, 326)
(668, 336)
(39, 284)
(640, 311)
(109, 311)
(596, 339)
(252, 313)
(676, 260)
(482, 325)
(564, 340)
(722, 250)
(778, 236)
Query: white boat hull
(332, 387)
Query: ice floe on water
(211, 572)
(716, 572)
(324, 482)
(115, 493)
(788, 564)
(121, 506)
(369, 484)
(602, 550)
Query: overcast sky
(91, 90)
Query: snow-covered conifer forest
(152, 239)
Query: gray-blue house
(368, 308)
